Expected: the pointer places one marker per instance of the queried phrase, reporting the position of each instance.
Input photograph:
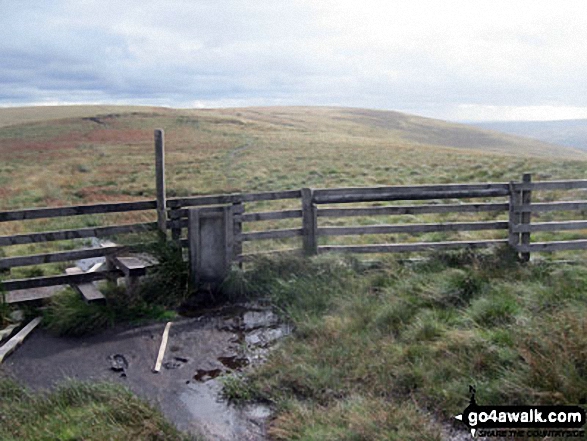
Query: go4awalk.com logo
(523, 421)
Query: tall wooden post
(160, 182)
(309, 222)
(525, 220)
(514, 218)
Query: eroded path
(200, 351)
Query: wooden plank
(271, 234)
(29, 295)
(270, 215)
(87, 290)
(162, 348)
(130, 266)
(404, 189)
(326, 198)
(554, 246)
(412, 228)
(80, 233)
(17, 340)
(232, 198)
(526, 199)
(76, 210)
(409, 247)
(238, 209)
(160, 181)
(62, 279)
(413, 209)
(551, 226)
(552, 185)
(542, 207)
(63, 256)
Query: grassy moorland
(389, 352)
(379, 352)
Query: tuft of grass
(78, 410)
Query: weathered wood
(160, 181)
(309, 222)
(412, 228)
(271, 215)
(238, 209)
(130, 266)
(80, 233)
(526, 199)
(232, 198)
(76, 210)
(554, 246)
(325, 198)
(17, 340)
(409, 247)
(62, 279)
(162, 348)
(552, 185)
(412, 209)
(541, 207)
(550, 226)
(176, 223)
(403, 189)
(63, 256)
(513, 217)
(271, 234)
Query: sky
(465, 60)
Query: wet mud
(202, 350)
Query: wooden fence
(513, 199)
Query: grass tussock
(80, 411)
(406, 340)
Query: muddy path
(201, 350)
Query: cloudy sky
(455, 60)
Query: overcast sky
(455, 60)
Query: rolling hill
(77, 154)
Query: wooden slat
(87, 290)
(76, 210)
(552, 185)
(17, 340)
(412, 228)
(550, 226)
(232, 198)
(402, 189)
(554, 246)
(271, 234)
(270, 215)
(8, 330)
(412, 209)
(80, 233)
(62, 279)
(542, 207)
(325, 198)
(63, 256)
(409, 247)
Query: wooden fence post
(526, 199)
(160, 182)
(514, 218)
(309, 222)
(238, 210)
(175, 219)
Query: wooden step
(88, 291)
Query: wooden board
(409, 247)
(412, 229)
(62, 279)
(15, 341)
(130, 266)
(271, 234)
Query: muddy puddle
(203, 350)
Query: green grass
(76, 411)
(388, 352)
